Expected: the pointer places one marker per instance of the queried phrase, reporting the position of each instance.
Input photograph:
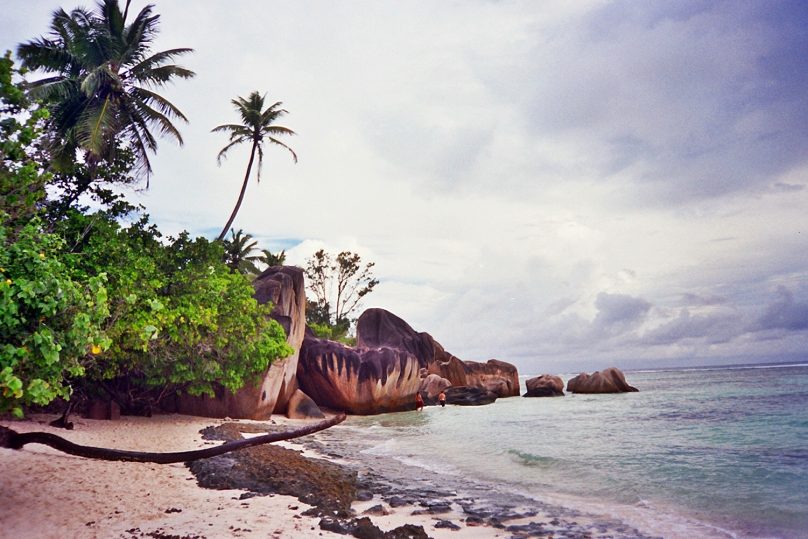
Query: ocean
(702, 452)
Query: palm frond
(142, 70)
(223, 152)
(154, 100)
(279, 143)
(153, 117)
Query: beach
(46, 493)
(710, 453)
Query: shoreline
(47, 493)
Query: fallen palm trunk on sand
(15, 440)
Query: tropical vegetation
(257, 127)
(101, 85)
(338, 283)
(97, 301)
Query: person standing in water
(419, 402)
(442, 398)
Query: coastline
(46, 493)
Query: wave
(534, 461)
(721, 368)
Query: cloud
(617, 312)
(783, 313)
(556, 184)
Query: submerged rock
(469, 396)
(546, 385)
(609, 380)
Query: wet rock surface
(457, 503)
(453, 502)
(267, 469)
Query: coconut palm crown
(257, 127)
(103, 76)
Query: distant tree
(238, 252)
(258, 126)
(338, 284)
(272, 259)
(101, 93)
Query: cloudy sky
(563, 185)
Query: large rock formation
(284, 287)
(378, 328)
(358, 380)
(609, 380)
(495, 376)
(381, 328)
(546, 385)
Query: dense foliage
(101, 83)
(179, 317)
(50, 323)
(92, 305)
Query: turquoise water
(719, 452)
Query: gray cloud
(783, 313)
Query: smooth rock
(609, 380)
(301, 406)
(377, 328)
(469, 396)
(358, 380)
(496, 376)
(432, 385)
(546, 385)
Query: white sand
(45, 493)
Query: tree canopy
(338, 283)
(101, 83)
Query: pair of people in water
(419, 400)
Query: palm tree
(272, 259)
(257, 127)
(237, 252)
(101, 91)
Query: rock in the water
(433, 384)
(496, 376)
(469, 396)
(546, 385)
(285, 288)
(357, 380)
(609, 380)
(301, 406)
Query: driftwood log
(15, 440)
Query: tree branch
(15, 440)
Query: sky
(562, 185)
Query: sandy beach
(46, 493)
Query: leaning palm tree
(101, 92)
(257, 127)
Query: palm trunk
(241, 194)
